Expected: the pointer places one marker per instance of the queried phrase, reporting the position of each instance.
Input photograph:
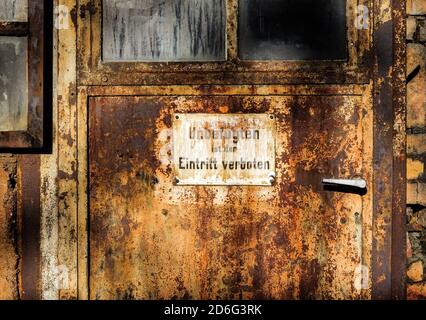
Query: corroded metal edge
(399, 152)
(389, 150)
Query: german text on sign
(224, 149)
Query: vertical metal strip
(83, 226)
(399, 152)
(389, 151)
(30, 207)
(382, 152)
(49, 202)
(67, 150)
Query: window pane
(292, 29)
(13, 10)
(13, 84)
(159, 30)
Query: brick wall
(416, 148)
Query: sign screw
(272, 177)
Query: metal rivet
(105, 79)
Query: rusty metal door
(145, 234)
(150, 238)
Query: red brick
(421, 30)
(411, 27)
(416, 144)
(415, 271)
(416, 291)
(416, 89)
(415, 169)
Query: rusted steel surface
(29, 205)
(9, 230)
(211, 89)
(151, 239)
(14, 28)
(382, 229)
(82, 200)
(141, 236)
(389, 179)
(67, 155)
(93, 71)
(58, 170)
(399, 101)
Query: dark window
(292, 30)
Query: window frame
(38, 31)
(93, 71)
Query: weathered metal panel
(389, 151)
(149, 238)
(146, 239)
(399, 220)
(238, 243)
(49, 230)
(83, 198)
(173, 30)
(9, 230)
(67, 156)
(224, 149)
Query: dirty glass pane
(13, 84)
(13, 10)
(163, 30)
(292, 30)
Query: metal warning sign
(224, 149)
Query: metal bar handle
(357, 183)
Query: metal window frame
(93, 71)
(38, 32)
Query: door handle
(356, 183)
